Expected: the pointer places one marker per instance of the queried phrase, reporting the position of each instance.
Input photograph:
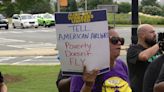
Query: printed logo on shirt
(116, 84)
(153, 57)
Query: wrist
(160, 44)
(89, 84)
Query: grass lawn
(30, 78)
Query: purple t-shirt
(119, 70)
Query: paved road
(20, 39)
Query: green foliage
(155, 20)
(105, 1)
(125, 19)
(149, 2)
(92, 4)
(72, 6)
(153, 10)
(162, 7)
(26, 6)
(119, 18)
(124, 7)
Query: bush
(153, 10)
(124, 7)
(157, 20)
(125, 19)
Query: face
(150, 36)
(115, 43)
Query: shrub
(126, 19)
(153, 10)
(124, 7)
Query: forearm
(3, 88)
(146, 54)
(159, 87)
(87, 87)
(64, 85)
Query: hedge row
(143, 18)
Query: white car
(24, 21)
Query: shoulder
(134, 47)
(120, 62)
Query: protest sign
(82, 39)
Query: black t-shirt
(136, 67)
(161, 74)
(1, 78)
(152, 73)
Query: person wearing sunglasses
(115, 80)
(140, 55)
(3, 87)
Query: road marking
(6, 58)
(30, 46)
(38, 57)
(26, 60)
(4, 40)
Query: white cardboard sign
(82, 39)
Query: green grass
(30, 78)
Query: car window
(26, 17)
(47, 16)
(2, 17)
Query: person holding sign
(115, 80)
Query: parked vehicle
(45, 20)
(3, 22)
(24, 21)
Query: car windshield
(47, 16)
(26, 17)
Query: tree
(124, 7)
(106, 1)
(149, 2)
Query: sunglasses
(115, 40)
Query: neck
(143, 43)
(112, 62)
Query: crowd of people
(144, 71)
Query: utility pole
(134, 21)
(86, 5)
(58, 5)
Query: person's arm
(3, 87)
(64, 85)
(159, 87)
(146, 54)
(89, 79)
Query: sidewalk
(41, 52)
